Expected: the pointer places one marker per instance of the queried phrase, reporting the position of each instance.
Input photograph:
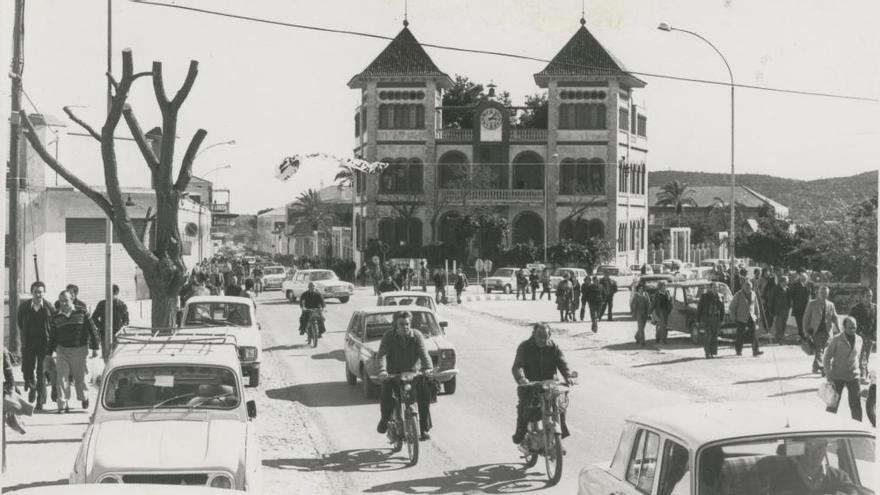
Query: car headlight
(247, 353)
(110, 478)
(221, 481)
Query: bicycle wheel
(553, 457)
(411, 433)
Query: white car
(171, 410)
(326, 282)
(236, 315)
(748, 449)
(407, 298)
(557, 274)
(622, 275)
(502, 280)
(273, 276)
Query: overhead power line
(496, 53)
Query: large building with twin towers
(583, 176)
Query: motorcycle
(313, 330)
(403, 426)
(544, 434)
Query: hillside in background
(802, 197)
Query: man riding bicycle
(537, 359)
(311, 300)
(402, 350)
(257, 275)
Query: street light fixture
(224, 167)
(732, 237)
(206, 148)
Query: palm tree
(315, 212)
(677, 195)
(345, 177)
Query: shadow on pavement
(671, 361)
(286, 347)
(325, 394)
(36, 484)
(364, 460)
(486, 478)
(772, 379)
(45, 440)
(276, 302)
(672, 343)
(793, 392)
(338, 355)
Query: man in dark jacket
(120, 313)
(778, 307)
(865, 314)
(388, 285)
(537, 359)
(710, 312)
(591, 292)
(312, 300)
(33, 325)
(661, 307)
(533, 283)
(522, 283)
(71, 334)
(609, 288)
(799, 295)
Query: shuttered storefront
(85, 261)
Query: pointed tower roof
(583, 55)
(404, 56)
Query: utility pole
(108, 240)
(14, 130)
(15, 73)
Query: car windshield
(795, 465)
(504, 272)
(424, 301)
(322, 275)
(200, 314)
(379, 323)
(171, 387)
(652, 283)
(723, 292)
(610, 270)
(273, 270)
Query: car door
(676, 472)
(641, 470)
(353, 336)
(678, 316)
(299, 283)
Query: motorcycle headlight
(110, 478)
(221, 481)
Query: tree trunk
(165, 283)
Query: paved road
(328, 434)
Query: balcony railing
(219, 207)
(528, 134)
(493, 195)
(454, 135)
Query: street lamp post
(732, 237)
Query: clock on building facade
(491, 118)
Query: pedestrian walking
(233, 288)
(388, 285)
(533, 283)
(257, 274)
(841, 364)
(661, 308)
(575, 298)
(461, 283)
(594, 300)
(865, 313)
(799, 295)
(440, 286)
(820, 317)
(522, 281)
(33, 319)
(609, 288)
(73, 289)
(120, 313)
(744, 312)
(640, 307)
(423, 276)
(375, 277)
(545, 284)
(710, 313)
(778, 308)
(71, 334)
(563, 297)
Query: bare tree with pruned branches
(163, 267)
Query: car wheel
(507, 289)
(694, 330)
(344, 299)
(290, 296)
(350, 378)
(369, 389)
(254, 379)
(449, 387)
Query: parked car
(652, 281)
(637, 269)
(236, 315)
(622, 275)
(326, 282)
(365, 331)
(502, 279)
(273, 276)
(171, 410)
(407, 298)
(129, 489)
(557, 274)
(685, 299)
(738, 448)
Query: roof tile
(404, 56)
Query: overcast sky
(279, 91)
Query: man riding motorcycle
(537, 359)
(311, 299)
(401, 350)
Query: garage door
(85, 268)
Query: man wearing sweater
(841, 363)
(71, 334)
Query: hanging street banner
(290, 165)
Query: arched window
(582, 116)
(400, 231)
(579, 176)
(401, 116)
(574, 230)
(596, 176)
(401, 176)
(452, 166)
(596, 228)
(528, 171)
(528, 227)
(447, 226)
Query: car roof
(393, 309)
(221, 299)
(167, 350)
(122, 489)
(406, 293)
(657, 276)
(310, 270)
(702, 423)
(692, 283)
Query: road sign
(487, 266)
(478, 265)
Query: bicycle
(403, 426)
(544, 435)
(313, 330)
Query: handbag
(827, 393)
